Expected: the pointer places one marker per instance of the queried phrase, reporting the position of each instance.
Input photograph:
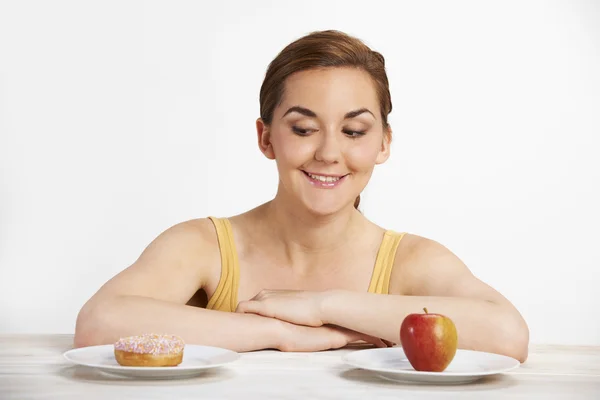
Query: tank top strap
(384, 263)
(225, 296)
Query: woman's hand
(294, 306)
(300, 317)
(298, 338)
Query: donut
(149, 350)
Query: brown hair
(321, 50)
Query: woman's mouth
(324, 181)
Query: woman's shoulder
(203, 233)
(198, 231)
(416, 246)
(413, 247)
(420, 258)
(193, 240)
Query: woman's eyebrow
(309, 113)
(301, 110)
(356, 113)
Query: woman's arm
(151, 295)
(123, 315)
(435, 279)
(438, 280)
(481, 324)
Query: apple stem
(425, 309)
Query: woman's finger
(251, 307)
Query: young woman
(305, 271)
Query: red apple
(429, 341)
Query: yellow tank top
(225, 296)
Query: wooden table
(32, 367)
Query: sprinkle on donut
(151, 343)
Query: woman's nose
(329, 148)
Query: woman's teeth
(324, 178)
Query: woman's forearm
(481, 325)
(105, 322)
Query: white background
(119, 119)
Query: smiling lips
(325, 181)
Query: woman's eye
(300, 131)
(354, 134)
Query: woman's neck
(306, 239)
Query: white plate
(466, 366)
(196, 360)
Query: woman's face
(326, 137)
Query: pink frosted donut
(149, 350)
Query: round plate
(466, 366)
(196, 360)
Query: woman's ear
(264, 139)
(384, 153)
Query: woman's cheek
(296, 152)
(362, 158)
